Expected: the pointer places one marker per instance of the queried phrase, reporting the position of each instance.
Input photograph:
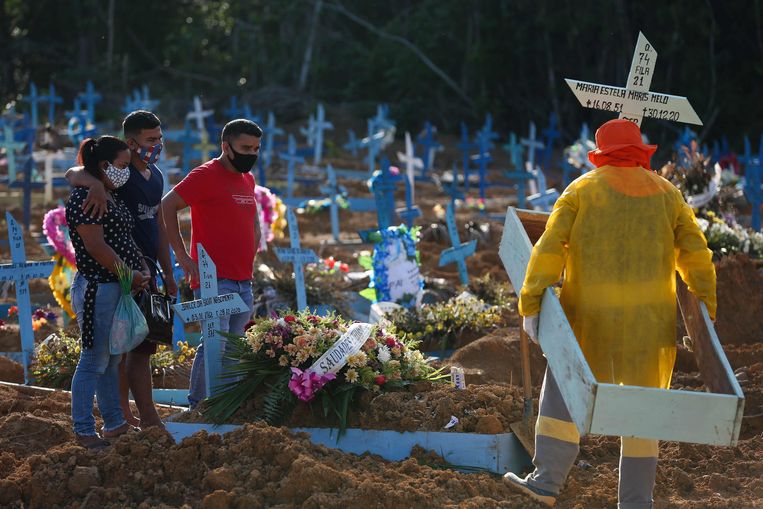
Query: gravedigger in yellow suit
(616, 236)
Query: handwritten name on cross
(198, 114)
(634, 101)
(545, 198)
(459, 252)
(20, 272)
(33, 99)
(208, 310)
(296, 256)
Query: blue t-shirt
(142, 197)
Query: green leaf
(366, 262)
(368, 293)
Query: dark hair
(137, 121)
(93, 151)
(236, 128)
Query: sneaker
(92, 442)
(520, 485)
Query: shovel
(524, 430)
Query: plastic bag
(129, 327)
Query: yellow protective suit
(619, 234)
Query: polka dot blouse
(117, 225)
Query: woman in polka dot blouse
(100, 245)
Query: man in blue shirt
(142, 194)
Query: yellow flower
(351, 376)
(357, 360)
(181, 359)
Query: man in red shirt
(224, 219)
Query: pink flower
(304, 384)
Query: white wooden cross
(20, 271)
(545, 198)
(532, 145)
(411, 162)
(198, 113)
(208, 310)
(634, 101)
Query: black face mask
(242, 162)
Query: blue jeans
(232, 323)
(96, 372)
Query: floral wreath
(55, 227)
(378, 289)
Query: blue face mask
(151, 154)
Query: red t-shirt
(223, 212)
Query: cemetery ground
(264, 466)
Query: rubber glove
(530, 325)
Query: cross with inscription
(20, 272)
(297, 256)
(634, 101)
(459, 252)
(208, 310)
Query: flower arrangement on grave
(316, 206)
(725, 237)
(60, 280)
(577, 154)
(13, 314)
(56, 359)
(168, 362)
(492, 291)
(300, 358)
(269, 211)
(279, 224)
(395, 267)
(441, 325)
(475, 204)
(331, 265)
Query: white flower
(281, 322)
(703, 223)
(383, 354)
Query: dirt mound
(11, 371)
(740, 301)
(496, 359)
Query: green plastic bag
(129, 327)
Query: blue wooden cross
(544, 199)
(532, 145)
(521, 177)
(33, 99)
(383, 185)
(198, 114)
(753, 178)
(410, 211)
(292, 159)
(551, 133)
(233, 110)
(91, 97)
(145, 102)
(482, 159)
(52, 99)
(309, 131)
(332, 191)
(585, 132)
(320, 125)
(353, 144)
(20, 272)
(297, 256)
(188, 138)
(269, 134)
(459, 252)
(208, 310)
(10, 146)
(381, 122)
(453, 191)
(487, 131)
(466, 146)
(429, 147)
(515, 151)
(373, 143)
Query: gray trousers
(557, 445)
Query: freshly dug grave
(11, 371)
(421, 407)
(261, 466)
(740, 301)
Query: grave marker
(373, 143)
(551, 133)
(429, 147)
(208, 310)
(10, 146)
(459, 252)
(33, 99)
(270, 133)
(298, 257)
(91, 98)
(410, 211)
(353, 144)
(20, 272)
(515, 150)
(482, 159)
(410, 160)
(753, 178)
(320, 125)
(466, 146)
(198, 114)
(291, 159)
(332, 190)
(52, 99)
(634, 101)
(532, 145)
(544, 199)
(453, 191)
(204, 148)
